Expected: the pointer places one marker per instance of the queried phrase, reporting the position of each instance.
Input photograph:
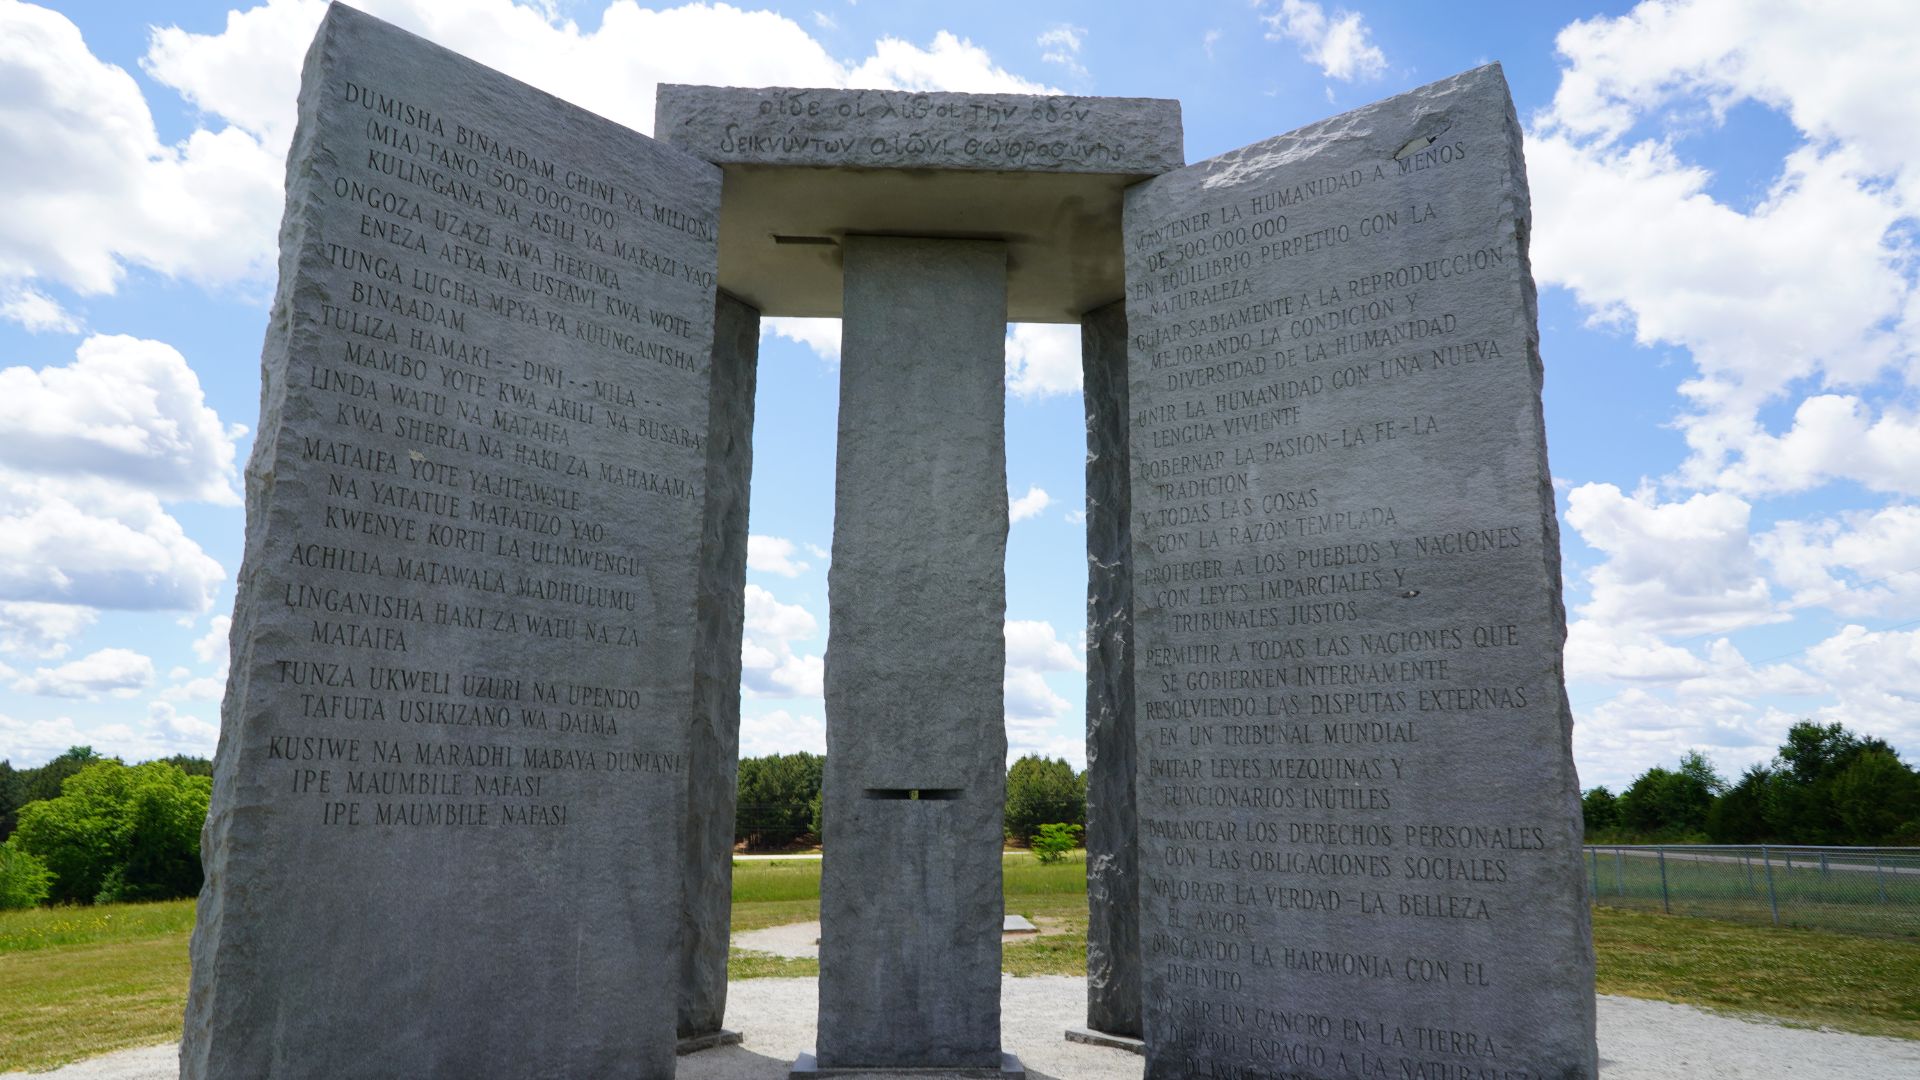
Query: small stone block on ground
(1102, 1038)
(1018, 924)
(806, 1067)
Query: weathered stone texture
(449, 795)
(1113, 920)
(713, 754)
(910, 896)
(1360, 829)
(896, 129)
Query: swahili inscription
(463, 663)
(1358, 830)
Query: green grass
(75, 982)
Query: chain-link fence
(773, 826)
(1852, 889)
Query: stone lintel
(805, 169)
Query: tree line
(778, 804)
(1825, 785)
(85, 829)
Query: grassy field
(75, 982)
(1848, 896)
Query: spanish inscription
(1358, 839)
(465, 619)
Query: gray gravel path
(1639, 1040)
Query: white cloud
(211, 647)
(820, 335)
(99, 545)
(770, 666)
(118, 672)
(773, 555)
(28, 743)
(89, 186)
(41, 631)
(1061, 45)
(950, 63)
(1033, 644)
(1811, 290)
(37, 312)
(781, 732)
(1340, 45)
(126, 410)
(1043, 359)
(1858, 563)
(824, 21)
(1034, 710)
(1029, 505)
(1681, 567)
(1876, 676)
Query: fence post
(1746, 860)
(1823, 864)
(1593, 859)
(1773, 901)
(1665, 905)
(1880, 875)
(1619, 873)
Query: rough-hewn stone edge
(688, 117)
(1113, 916)
(300, 219)
(714, 747)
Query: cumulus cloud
(126, 410)
(1681, 567)
(781, 731)
(1029, 505)
(1034, 710)
(98, 545)
(1857, 563)
(1061, 45)
(1809, 291)
(770, 665)
(774, 555)
(1340, 45)
(90, 188)
(39, 630)
(36, 312)
(116, 672)
(1043, 359)
(820, 335)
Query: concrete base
(1100, 1038)
(693, 1044)
(807, 1068)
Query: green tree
(120, 833)
(45, 782)
(13, 789)
(1739, 815)
(774, 806)
(1667, 804)
(24, 880)
(1801, 804)
(1599, 812)
(1041, 791)
(1877, 797)
(1054, 840)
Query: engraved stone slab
(910, 889)
(805, 169)
(1359, 822)
(450, 791)
(906, 129)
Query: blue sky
(1726, 199)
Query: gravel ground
(1639, 1040)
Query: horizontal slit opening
(936, 793)
(824, 240)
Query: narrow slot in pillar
(910, 896)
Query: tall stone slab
(910, 892)
(713, 754)
(450, 791)
(1359, 821)
(1113, 819)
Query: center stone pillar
(910, 899)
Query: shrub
(120, 833)
(24, 880)
(1054, 840)
(1042, 790)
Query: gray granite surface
(449, 792)
(1113, 820)
(713, 753)
(910, 892)
(1359, 817)
(906, 129)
